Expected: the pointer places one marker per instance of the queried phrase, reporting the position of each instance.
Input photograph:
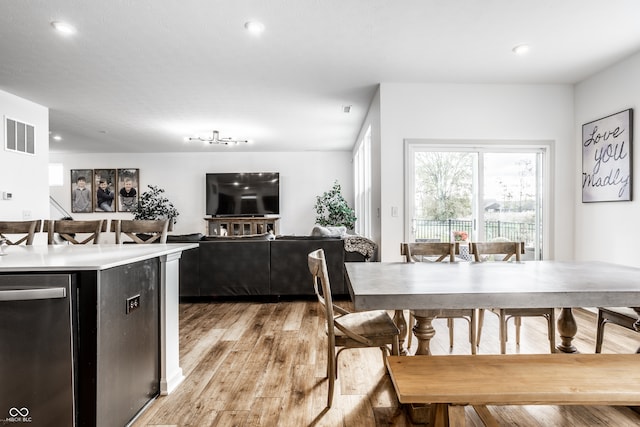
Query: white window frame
(545, 171)
(362, 185)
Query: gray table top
(529, 284)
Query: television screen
(243, 194)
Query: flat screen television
(243, 194)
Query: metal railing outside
(442, 231)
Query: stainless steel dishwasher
(36, 350)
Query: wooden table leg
(567, 328)
(456, 416)
(485, 416)
(439, 415)
(636, 325)
(401, 323)
(424, 331)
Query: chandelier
(215, 139)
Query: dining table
(427, 288)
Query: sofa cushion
(182, 238)
(234, 267)
(289, 265)
(308, 237)
(329, 231)
(265, 236)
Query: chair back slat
(25, 229)
(426, 251)
(509, 250)
(68, 230)
(321, 286)
(153, 230)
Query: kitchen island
(93, 329)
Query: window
(362, 185)
(19, 137)
(484, 191)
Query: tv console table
(241, 225)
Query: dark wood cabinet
(238, 226)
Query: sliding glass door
(479, 193)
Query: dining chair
(439, 252)
(141, 230)
(621, 316)
(25, 231)
(347, 330)
(68, 231)
(506, 251)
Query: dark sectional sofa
(256, 267)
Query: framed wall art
(128, 185)
(606, 158)
(105, 183)
(81, 190)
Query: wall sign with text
(606, 158)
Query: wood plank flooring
(263, 364)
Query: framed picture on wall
(81, 190)
(606, 158)
(104, 181)
(127, 191)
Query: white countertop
(36, 258)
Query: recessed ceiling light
(57, 137)
(520, 49)
(254, 27)
(63, 27)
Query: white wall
(303, 176)
(476, 112)
(26, 176)
(607, 231)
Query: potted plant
(153, 205)
(332, 209)
(460, 236)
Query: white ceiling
(139, 75)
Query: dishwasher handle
(32, 294)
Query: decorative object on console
(332, 209)
(153, 205)
(215, 139)
(460, 236)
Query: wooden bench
(449, 383)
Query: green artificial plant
(153, 205)
(332, 209)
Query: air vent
(346, 109)
(19, 137)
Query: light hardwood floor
(263, 364)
